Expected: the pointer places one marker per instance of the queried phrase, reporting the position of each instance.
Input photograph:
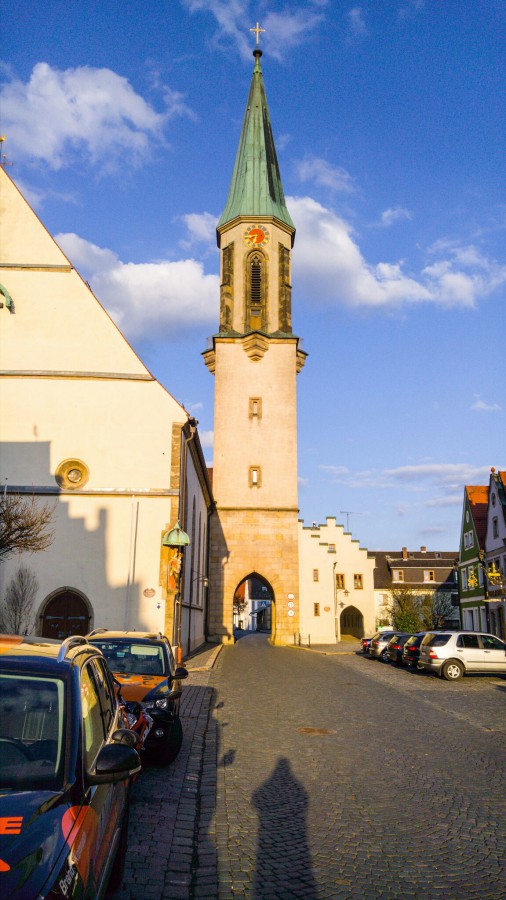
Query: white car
(452, 654)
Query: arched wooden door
(65, 613)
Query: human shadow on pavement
(283, 862)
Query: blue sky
(122, 122)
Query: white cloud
(146, 300)
(283, 30)
(356, 22)
(206, 438)
(324, 174)
(389, 216)
(418, 478)
(328, 264)
(480, 405)
(84, 114)
(201, 228)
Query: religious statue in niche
(174, 571)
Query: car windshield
(133, 657)
(31, 732)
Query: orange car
(144, 665)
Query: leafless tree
(25, 525)
(436, 608)
(16, 611)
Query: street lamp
(177, 539)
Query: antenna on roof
(347, 513)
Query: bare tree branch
(25, 525)
(16, 612)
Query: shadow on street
(283, 858)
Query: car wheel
(384, 656)
(452, 670)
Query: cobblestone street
(336, 777)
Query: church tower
(255, 358)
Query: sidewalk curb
(210, 663)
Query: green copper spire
(256, 188)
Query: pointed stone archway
(66, 611)
(254, 606)
(351, 623)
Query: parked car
(378, 645)
(144, 665)
(65, 767)
(453, 654)
(365, 645)
(411, 649)
(395, 647)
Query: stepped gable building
(87, 427)
(255, 358)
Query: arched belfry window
(256, 292)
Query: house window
(316, 575)
(463, 579)
(340, 580)
(316, 609)
(255, 408)
(428, 575)
(332, 548)
(495, 527)
(255, 476)
(358, 582)
(398, 574)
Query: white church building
(86, 426)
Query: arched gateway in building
(255, 358)
(254, 606)
(351, 623)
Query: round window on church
(72, 474)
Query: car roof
(104, 634)
(47, 650)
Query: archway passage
(253, 606)
(352, 623)
(66, 613)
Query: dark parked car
(378, 645)
(66, 761)
(411, 649)
(395, 647)
(365, 645)
(144, 665)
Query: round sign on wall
(291, 612)
(291, 604)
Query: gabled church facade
(255, 358)
(86, 426)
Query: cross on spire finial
(257, 31)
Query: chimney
(404, 552)
(423, 549)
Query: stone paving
(304, 775)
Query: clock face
(256, 235)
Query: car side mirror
(125, 736)
(181, 672)
(115, 762)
